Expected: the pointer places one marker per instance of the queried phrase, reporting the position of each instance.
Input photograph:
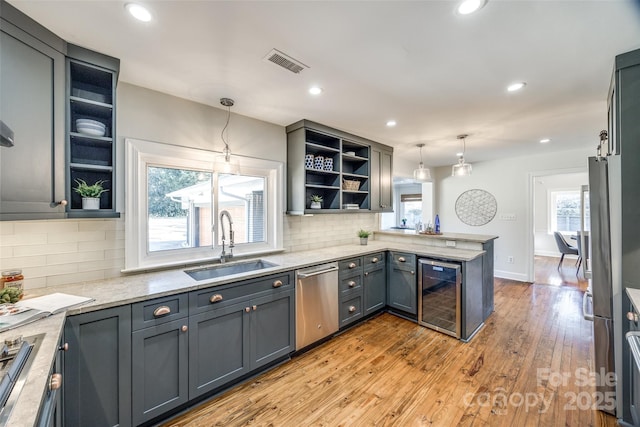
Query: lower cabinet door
(97, 369)
(375, 290)
(159, 369)
(402, 287)
(218, 347)
(272, 333)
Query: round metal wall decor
(476, 207)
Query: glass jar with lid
(12, 278)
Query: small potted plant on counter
(364, 236)
(316, 202)
(90, 193)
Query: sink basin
(222, 270)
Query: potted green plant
(316, 201)
(90, 193)
(364, 236)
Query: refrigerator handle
(585, 297)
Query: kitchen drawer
(403, 260)
(374, 261)
(157, 311)
(351, 284)
(350, 310)
(221, 296)
(350, 266)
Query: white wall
(510, 182)
(544, 242)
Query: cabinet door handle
(413, 272)
(352, 308)
(184, 328)
(55, 382)
(215, 298)
(402, 259)
(366, 273)
(374, 260)
(247, 309)
(163, 310)
(64, 347)
(352, 265)
(632, 316)
(255, 307)
(352, 283)
(277, 283)
(62, 202)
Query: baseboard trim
(520, 277)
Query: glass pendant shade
(422, 173)
(227, 163)
(461, 168)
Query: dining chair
(564, 247)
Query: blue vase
(437, 228)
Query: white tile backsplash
(58, 252)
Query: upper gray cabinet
(349, 173)
(32, 78)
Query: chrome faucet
(223, 255)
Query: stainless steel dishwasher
(316, 303)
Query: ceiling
(437, 73)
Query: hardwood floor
(527, 367)
(546, 272)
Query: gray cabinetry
(97, 369)
(159, 345)
(351, 284)
(402, 284)
(91, 95)
(337, 166)
(381, 179)
(32, 107)
(237, 329)
(374, 283)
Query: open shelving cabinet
(91, 92)
(343, 181)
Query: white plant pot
(363, 241)
(91, 203)
(316, 205)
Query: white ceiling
(436, 73)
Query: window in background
(410, 209)
(243, 197)
(564, 211)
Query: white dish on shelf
(90, 131)
(350, 153)
(90, 122)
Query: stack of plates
(90, 127)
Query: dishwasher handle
(302, 275)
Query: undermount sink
(229, 269)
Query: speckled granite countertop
(634, 296)
(461, 237)
(139, 287)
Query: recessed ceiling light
(139, 12)
(516, 86)
(545, 140)
(470, 6)
(315, 90)
(391, 123)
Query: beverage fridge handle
(632, 339)
(585, 297)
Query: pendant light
(461, 168)
(226, 163)
(421, 174)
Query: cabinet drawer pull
(374, 260)
(413, 272)
(184, 328)
(277, 283)
(163, 310)
(352, 308)
(55, 382)
(215, 298)
(352, 265)
(402, 259)
(352, 283)
(247, 309)
(255, 307)
(366, 273)
(64, 347)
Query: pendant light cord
(226, 145)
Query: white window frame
(140, 154)
(551, 211)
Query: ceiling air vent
(285, 61)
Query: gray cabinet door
(272, 332)
(375, 289)
(381, 180)
(403, 290)
(97, 369)
(218, 347)
(160, 369)
(31, 105)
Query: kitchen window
(174, 199)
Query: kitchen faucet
(224, 255)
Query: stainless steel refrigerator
(600, 286)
